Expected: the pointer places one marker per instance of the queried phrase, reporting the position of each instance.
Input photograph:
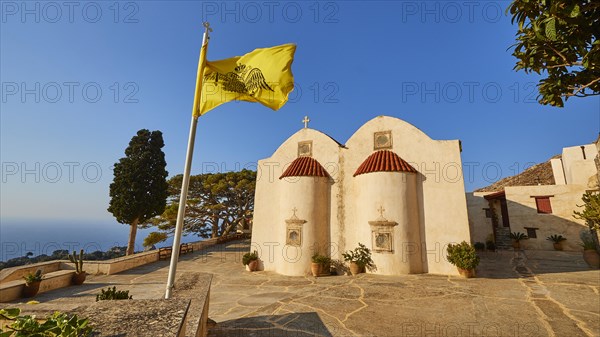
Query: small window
(531, 232)
(543, 205)
(488, 213)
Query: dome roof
(384, 161)
(305, 167)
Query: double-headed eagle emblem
(243, 79)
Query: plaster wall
(523, 213)
(479, 224)
(577, 169)
(270, 210)
(310, 197)
(440, 188)
(557, 171)
(439, 203)
(396, 192)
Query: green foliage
(587, 240)
(556, 238)
(361, 255)
(139, 189)
(518, 236)
(217, 203)
(560, 38)
(591, 210)
(154, 238)
(77, 261)
(56, 325)
(479, 246)
(30, 277)
(249, 257)
(10, 313)
(320, 259)
(113, 294)
(63, 254)
(490, 245)
(463, 255)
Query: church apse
(305, 200)
(386, 201)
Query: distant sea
(18, 237)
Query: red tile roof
(384, 161)
(305, 167)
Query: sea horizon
(21, 236)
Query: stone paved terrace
(531, 293)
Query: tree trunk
(132, 233)
(228, 229)
(215, 227)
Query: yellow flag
(263, 75)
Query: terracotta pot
(558, 246)
(78, 279)
(591, 257)
(253, 265)
(315, 269)
(516, 244)
(466, 273)
(354, 268)
(325, 269)
(31, 289)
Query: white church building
(390, 187)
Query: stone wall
(523, 213)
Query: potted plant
(320, 264)
(517, 237)
(557, 240)
(590, 255)
(251, 261)
(464, 257)
(32, 283)
(77, 260)
(359, 258)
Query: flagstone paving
(531, 293)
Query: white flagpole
(188, 165)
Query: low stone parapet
(17, 273)
(113, 266)
(12, 290)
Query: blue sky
(79, 79)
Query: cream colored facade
(574, 173)
(407, 218)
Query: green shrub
(556, 238)
(249, 257)
(587, 240)
(490, 245)
(463, 255)
(518, 236)
(479, 246)
(57, 324)
(321, 259)
(113, 294)
(361, 255)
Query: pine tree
(139, 189)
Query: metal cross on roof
(294, 210)
(305, 121)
